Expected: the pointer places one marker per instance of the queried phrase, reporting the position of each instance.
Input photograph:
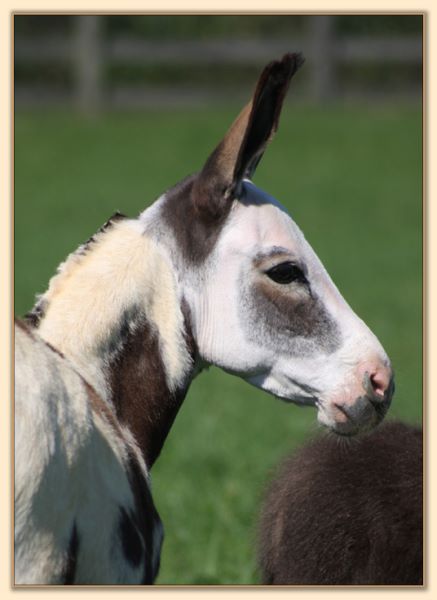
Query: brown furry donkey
(346, 512)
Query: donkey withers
(214, 272)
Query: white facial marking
(300, 342)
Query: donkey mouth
(360, 417)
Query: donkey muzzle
(369, 408)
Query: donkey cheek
(294, 328)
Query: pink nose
(380, 381)
(377, 379)
(369, 401)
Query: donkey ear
(240, 151)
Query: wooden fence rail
(131, 50)
(88, 54)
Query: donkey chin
(358, 415)
(363, 405)
(348, 411)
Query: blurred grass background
(349, 172)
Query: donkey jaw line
(343, 417)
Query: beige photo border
(6, 256)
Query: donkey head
(261, 304)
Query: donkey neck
(115, 310)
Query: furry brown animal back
(342, 513)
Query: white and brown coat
(214, 272)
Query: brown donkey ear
(240, 151)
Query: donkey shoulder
(75, 466)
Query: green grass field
(351, 178)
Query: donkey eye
(286, 272)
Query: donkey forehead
(258, 222)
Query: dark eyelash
(286, 272)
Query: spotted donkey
(214, 272)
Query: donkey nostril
(379, 384)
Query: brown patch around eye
(288, 319)
(297, 309)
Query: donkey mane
(128, 261)
(37, 312)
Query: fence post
(88, 65)
(322, 35)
